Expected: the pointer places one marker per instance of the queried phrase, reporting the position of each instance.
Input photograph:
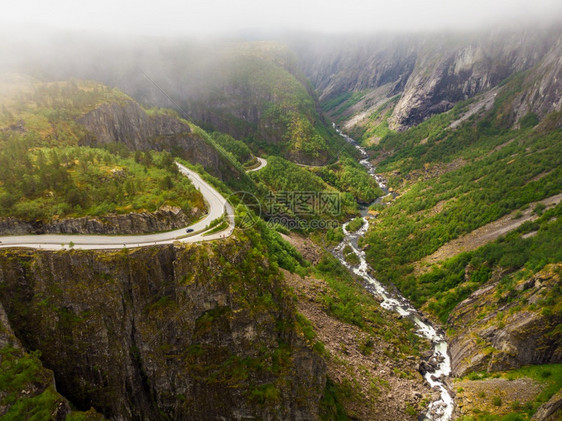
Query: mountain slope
(250, 90)
(51, 182)
(430, 72)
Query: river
(438, 367)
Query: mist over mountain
(410, 271)
(431, 72)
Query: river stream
(438, 368)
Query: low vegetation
(281, 178)
(355, 224)
(239, 150)
(549, 376)
(45, 174)
(513, 255)
(455, 182)
(348, 301)
(347, 175)
(41, 183)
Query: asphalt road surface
(262, 162)
(216, 203)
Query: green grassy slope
(454, 181)
(44, 173)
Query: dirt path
(483, 235)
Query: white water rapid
(439, 365)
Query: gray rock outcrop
(509, 333)
(165, 219)
(162, 333)
(126, 122)
(551, 410)
(432, 72)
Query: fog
(146, 48)
(219, 17)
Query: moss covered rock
(175, 332)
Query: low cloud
(217, 17)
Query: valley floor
(380, 387)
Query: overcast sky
(177, 17)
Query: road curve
(217, 205)
(262, 164)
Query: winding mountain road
(262, 164)
(217, 205)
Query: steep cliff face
(542, 88)
(165, 219)
(337, 65)
(494, 331)
(430, 72)
(128, 123)
(27, 389)
(180, 332)
(450, 75)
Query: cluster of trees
(349, 176)
(237, 148)
(302, 136)
(39, 183)
(447, 286)
(281, 175)
(476, 194)
(72, 96)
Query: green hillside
(451, 182)
(255, 92)
(44, 173)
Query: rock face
(337, 66)
(27, 387)
(7, 336)
(164, 219)
(128, 123)
(445, 77)
(200, 332)
(551, 410)
(432, 72)
(508, 333)
(543, 86)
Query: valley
(436, 373)
(308, 227)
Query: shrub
(529, 120)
